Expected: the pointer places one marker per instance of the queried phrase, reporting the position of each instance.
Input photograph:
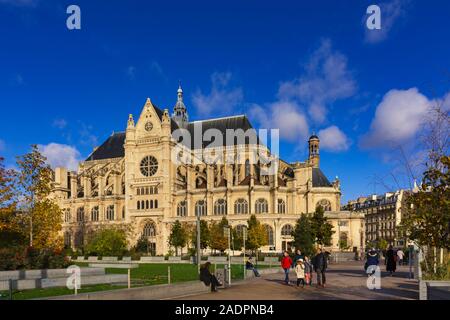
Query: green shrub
(108, 242)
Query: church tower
(180, 115)
(314, 156)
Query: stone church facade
(152, 175)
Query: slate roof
(221, 124)
(319, 179)
(111, 148)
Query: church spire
(180, 115)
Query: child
(308, 271)
(300, 271)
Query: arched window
(182, 209)
(281, 206)
(269, 232)
(138, 191)
(67, 239)
(247, 167)
(67, 216)
(123, 212)
(287, 230)
(94, 214)
(156, 204)
(151, 204)
(241, 206)
(147, 204)
(80, 214)
(110, 213)
(149, 230)
(261, 206)
(200, 208)
(139, 205)
(325, 204)
(79, 241)
(220, 207)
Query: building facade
(161, 170)
(382, 215)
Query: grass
(144, 275)
(58, 291)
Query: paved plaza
(345, 281)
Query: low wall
(434, 290)
(47, 273)
(250, 274)
(144, 293)
(62, 282)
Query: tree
(321, 228)
(257, 235)
(204, 235)
(41, 218)
(178, 236)
(303, 235)
(9, 236)
(218, 239)
(238, 240)
(108, 241)
(427, 217)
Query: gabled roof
(319, 179)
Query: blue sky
(301, 66)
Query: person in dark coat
(208, 278)
(372, 260)
(320, 266)
(391, 264)
(298, 256)
(250, 266)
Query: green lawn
(144, 275)
(51, 292)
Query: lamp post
(244, 237)
(227, 232)
(199, 255)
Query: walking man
(320, 266)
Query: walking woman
(391, 264)
(286, 264)
(208, 278)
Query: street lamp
(227, 233)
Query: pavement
(345, 281)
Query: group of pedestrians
(304, 268)
(391, 259)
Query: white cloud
(285, 116)
(221, 99)
(390, 13)
(86, 136)
(59, 123)
(326, 79)
(398, 118)
(333, 139)
(61, 155)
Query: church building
(162, 168)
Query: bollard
(129, 278)
(168, 275)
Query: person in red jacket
(286, 264)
